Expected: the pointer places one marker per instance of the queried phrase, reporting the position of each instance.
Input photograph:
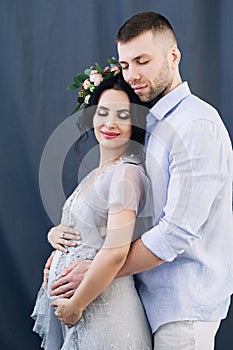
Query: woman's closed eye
(121, 114)
(102, 112)
(124, 114)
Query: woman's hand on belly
(66, 311)
(62, 236)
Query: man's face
(147, 65)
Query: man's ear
(176, 55)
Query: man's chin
(144, 99)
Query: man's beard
(158, 87)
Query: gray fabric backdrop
(43, 44)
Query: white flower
(94, 71)
(86, 100)
(96, 78)
(86, 84)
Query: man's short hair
(141, 23)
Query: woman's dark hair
(137, 111)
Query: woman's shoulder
(135, 162)
(128, 167)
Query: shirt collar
(169, 101)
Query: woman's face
(112, 120)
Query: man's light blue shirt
(189, 162)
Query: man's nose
(131, 74)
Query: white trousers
(186, 335)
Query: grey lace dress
(116, 318)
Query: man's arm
(139, 259)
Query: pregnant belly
(62, 260)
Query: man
(184, 263)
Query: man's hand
(70, 279)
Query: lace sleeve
(127, 187)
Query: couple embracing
(112, 284)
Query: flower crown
(88, 81)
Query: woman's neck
(108, 157)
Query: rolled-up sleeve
(197, 167)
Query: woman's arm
(108, 261)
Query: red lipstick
(109, 134)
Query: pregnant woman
(104, 312)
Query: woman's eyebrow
(102, 107)
(123, 110)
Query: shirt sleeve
(198, 169)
